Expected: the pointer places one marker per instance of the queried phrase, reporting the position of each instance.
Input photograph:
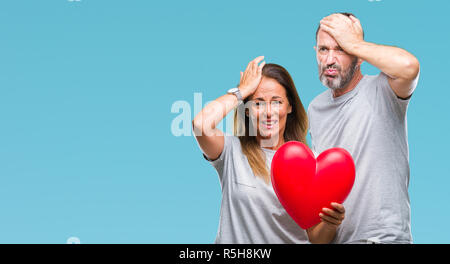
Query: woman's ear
(290, 109)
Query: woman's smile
(269, 123)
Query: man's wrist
(355, 48)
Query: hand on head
(346, 30)
(251, 77)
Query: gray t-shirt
(370, 123)
(250, 212)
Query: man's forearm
(321, 233)
(393, 61)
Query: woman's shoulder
(231, 141)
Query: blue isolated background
(86, 90)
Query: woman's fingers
(262, 65)
(249, 65)
(258, 59)
(254, 63)
(252, 74)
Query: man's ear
(360, 61)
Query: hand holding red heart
(333, 218)
(307, 186)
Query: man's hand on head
(347, 31)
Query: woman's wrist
(245, 92)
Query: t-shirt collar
(347, 95)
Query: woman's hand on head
(251, 77)
(333, 217)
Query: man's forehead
(324, 39)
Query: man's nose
(331, 57)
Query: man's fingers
(329, 219)
(328, 21)
(330, 17)
(356, 22)
(333, 17)
(329, 24)
(338, 207)
(336, 19)
(335, 214)
(326, 28)
(331, 213)
(354, 19)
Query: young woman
(269, 113)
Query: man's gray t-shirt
(370, 123)
(250, 212)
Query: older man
(366, 115)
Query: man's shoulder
(320, 99)
(369, 87)
(371, 80)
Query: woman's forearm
(212, 114)
(210, 139)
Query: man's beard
(342, 79)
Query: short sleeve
(221, 161)
(388, 100)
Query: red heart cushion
(304, 185)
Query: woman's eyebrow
(273, 97)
